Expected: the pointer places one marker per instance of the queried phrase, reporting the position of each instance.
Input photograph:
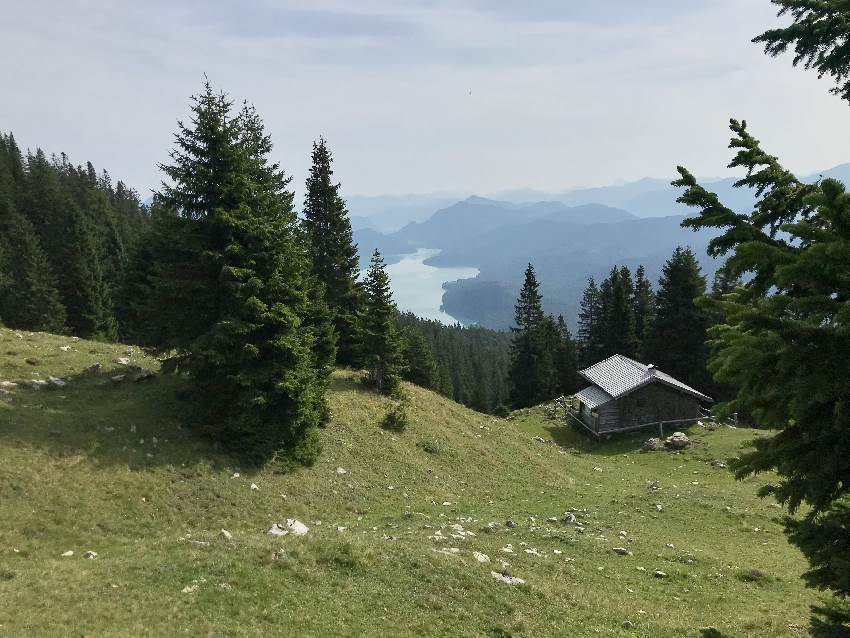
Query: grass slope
(106, 467)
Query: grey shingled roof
(593, 396)
(618, 375)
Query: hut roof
(593, 396)
(618, 375)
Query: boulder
(569, 518)
(90, 555)
(509, 580)
(650, 445)
(57, 383)
(8, 385)
(122, 361)
(118, 378)
(143, 374)
(481, 558)
(68, 554)
(93, 368)
(621, 551)
(226, 535)
(677, 441)
(659, 574)
(38, 384)
(33, 361)
(291, 526)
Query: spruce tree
(643, 308)
(29, 299)
(333, 253)
(617, 315)
(255, 384)
(566, 360)
(420, 365)
(677, 342)
(381, 347)
(590, 325)
(532, 369)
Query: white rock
(296, 527)
(225, 535)
(64, 348)
(481, 558)
(659, 574)
(118, 378)
(341, 470)
(124, 361)
(90, 555)
(340, 529)
(622, 551)
(235, 475)
(189, 589)
(68, 554)
(510, 580)
(93, 368)
(58, 383)
(533, 552)
(8, 385)
(254, 486)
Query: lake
(418, 288)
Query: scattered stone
(122, 361)
(597, 469)
(659, 574)
(621, 551)
(254, 486)
(659, 507)
(341, 470)
(235, 475)
(144, 374)
(189, 589)
(90, 555)
(539, 439)
(64, 348)
(226, 535)
(718, 463)
(56, 383)
(509, 580)
(650, 445)
(68, 554)
(340, 529)
(628, 624)
(569, 518)
(118, 378)
(677, 441)
(33, 361)
(446, 503)
(670, 546)
(552, 519)
(225, 586)
(508, 549)
(295, 527)
(653, 486)
(510, 524)
(93, 368)
(200, 543)
(38, 384)
(481, 558)
(277, 530)
(8, 385)
(533, 552)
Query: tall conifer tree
(590, 325)
(643, 308)
(677, 342)
(332, 250)
(532, 369)
(255, 381)
(381, 350)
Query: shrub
(396, 419)
(431, 447)
(502, 411)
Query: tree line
(622, 315)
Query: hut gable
(626, 394)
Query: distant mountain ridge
(569, 236)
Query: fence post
(661, 429)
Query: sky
(460, 96)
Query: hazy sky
(563, 92)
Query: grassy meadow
(106, 467)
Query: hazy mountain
(388, 213)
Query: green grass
(79, 470)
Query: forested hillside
(66, 233)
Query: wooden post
(661, 429)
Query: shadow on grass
(572, 436)
(140, 424)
